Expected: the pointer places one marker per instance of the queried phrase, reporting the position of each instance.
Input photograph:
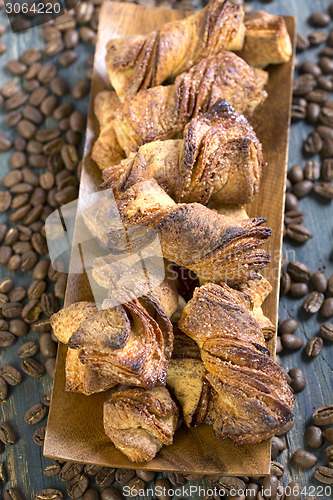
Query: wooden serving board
(75, 428)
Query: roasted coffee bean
(10, 375)
(33, 114)
(122, 476)
(32, 367)
(17, 326)
(317, 37)
(298, 272)
(298, 382)
(50, 364)
(46, 399)
(134, 487)
(66, 195)
(317, 96)
(49, 304)
(310, 67)
(63, 111)
(313, 347)
(81, 89)
(92, 470)
(47, 73)
(31, 311)
(87, 34)
(328, 433)
(31, 85)
(54, 47)
(41, 269)
(18, 159)
(71, 38)
(326, 173)
(5, 143)
(14, 262)
(5, 201)
(326, 65)
(113, 494)
(52, 469)
(67, 58)
(325, 84)
(20, 143)
(298, 233)
(294, 217)
(270, 487)
(47, 135)
(16, 67)
(291, 341)
(327, 149)
(60, 286)
(326, 116)
(48, 494)
(324, 189)
(329, 453)
(15, 101)
(35, 414)
(7, 435)
(298, 112)
(69, 156)
(314, 437)
(296, 174)
(146, 475)
(11, 236)
(48, 347)
(42, 325)
(38, 96)
(34, 148)
(59, 87)
(326, 331)
(319, 281)
(37, 161)
(12, 494)
(304, 459)
(22, 247)
(302, 188)
(91, 494)
(324, 474)
(327, 308)
(313, 144)
(29, 260)
(53, 146)
(6, 339)
(313, 302)
(5, 254)
(31, 56)
(49, 105)
(13, 118)
(70, 470)
(77, 486)
(302, 42)
(10, 88)
(12, 310)
(20, 213)
(228, 484)
(27, 350)
(77, 122)
(19, 201)
(39, 244)
(12, 178)
(293, 491)
(39, 436)
(323, 415)
(105, 477)
(36, 289)
(26, 129)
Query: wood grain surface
(25, 460)
(197, 450)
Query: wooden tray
(75, 429)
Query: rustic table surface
(25, 460)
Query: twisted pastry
(79, 377)
(219, 159)
(267, 40)
(140, 422)
(251, 398)
(162, 112)
(143, 61)
(215, 247)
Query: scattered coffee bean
(77, 486)
(27, 350)
(326, 331)
(52, 469)
(32, 367)
(48, 494)
(111, 494)
(327, 308)
(35, 414)
(11, 375)
(105, 477)
(319, 282)
(298, 382)
(17, 326)
(304, 459)
(328, 433)
(91, 494)
(3, 390)
(298, 233)
(324, 474)
(313, 302)
(7, 435)
(314, 346)
(323, 415)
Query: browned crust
(142, 61)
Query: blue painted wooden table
(24, 460)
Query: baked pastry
(251, 397)
(162, 112)
(79, 377)
(219, 159)
(140, 422)
(142, 61)
(215, 247)
(267, 40)
(126, 344)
